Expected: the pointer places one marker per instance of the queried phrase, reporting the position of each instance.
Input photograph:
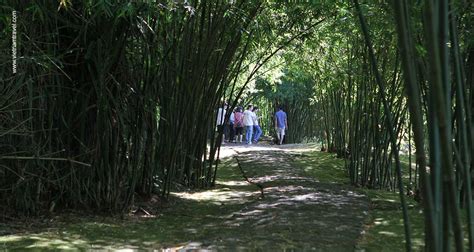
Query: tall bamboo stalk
(393, 138)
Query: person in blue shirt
(281, 124)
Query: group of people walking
(240, 121)
(246, 121)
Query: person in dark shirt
(281, 124)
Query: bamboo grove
(117, 101)
(392, 94)
(113, 102)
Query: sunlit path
(319, 215)
(295, 212)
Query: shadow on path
(300, 211)
(296, 213)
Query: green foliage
(79, 119)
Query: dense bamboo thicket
(446, 102)
(117, 101)
(112, 101)
(79, 116)
(329, 90)
(197, 68)
(392, 95)
(440, 112)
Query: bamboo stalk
(389, 124)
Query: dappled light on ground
(384, 229)
(280, 207)
(229, 149)
(298, 203)
(218, 196)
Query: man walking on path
(248, 123)
(281, 124)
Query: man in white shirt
(220, 115)
(248, 124)
(220, 120)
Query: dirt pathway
(296, 212)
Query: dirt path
(296, 211)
